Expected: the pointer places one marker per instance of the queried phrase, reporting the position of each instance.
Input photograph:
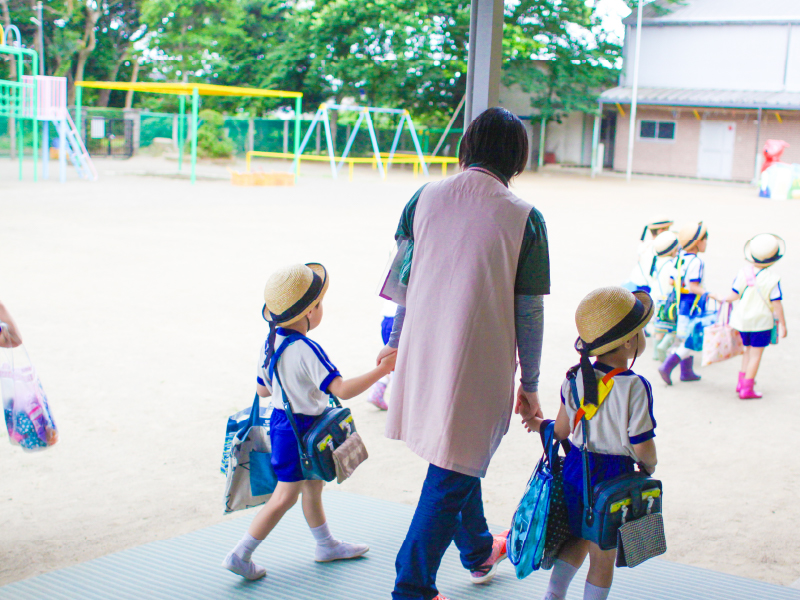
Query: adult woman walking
(480, 267)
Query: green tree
(212, 140)
(557, 51)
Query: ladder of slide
(77, 151)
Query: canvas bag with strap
(610, 504)
(331, 448)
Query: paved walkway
(187, 567)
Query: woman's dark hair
(496, 138)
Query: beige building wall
(679, 157)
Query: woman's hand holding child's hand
(385, 351)
(386, 363)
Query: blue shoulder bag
(611, 504)
(329, 431)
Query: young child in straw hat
(293, 304)
(693, 239)
(662, 271)
(610, 324)
(759, 309)
(640, 275)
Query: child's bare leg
(239, 559)
(754, 362)
(570, 558)
(745, 359)
(313, 510)
(283, 498)
(601, 573)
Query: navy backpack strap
(287, 407)
(587, 479)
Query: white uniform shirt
(662, 277)
(306, 372)
(754, 313)
(625, 418)
(640, 275)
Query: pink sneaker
(486, 572)
(375, 396)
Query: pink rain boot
(739, 383)
(376, 393)
(747, 392)
(687, 370)
(668, 367)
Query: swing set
(381, 161)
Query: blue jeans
(450, 508)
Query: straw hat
(293, 291)
(764, 249)
(659, 222)
(665, 242)
(610, 316)
(690, 234)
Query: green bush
(212, 140)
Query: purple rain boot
(669, 365)
(687, 372)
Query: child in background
(665, 247)
(610, 323)
(640, 275)
(760, 306)
(693, 239)
(377, 392)
(293, 305)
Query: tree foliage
(402, 53)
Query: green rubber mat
(188, 567)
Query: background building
(716, 79)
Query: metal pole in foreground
(195, 102)
(541, 142)
(634, 92)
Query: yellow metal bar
(696, 114)
(619, 108)
(2, 36)
(203, 89)
(350, 174)
(778, 116)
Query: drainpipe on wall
(595, 141)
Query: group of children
(671, 268)
(611, 325)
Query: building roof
(718, 12)
(705, 98)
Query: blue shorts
(386, 329)
(285, 455)
(756, 339)
(602, 468)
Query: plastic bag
(25, 409)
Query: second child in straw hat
(689, 277)
(759, 309)
(293, 306)
(619, 403)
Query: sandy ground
(139, 299)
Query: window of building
(657, 130)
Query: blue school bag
(329, 431)
(610, 505)
(539, 526)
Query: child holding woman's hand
(619, 404)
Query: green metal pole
(181, 131)
(35, 122)
(78, 99)
(195, 102)
(20, 115)
(298, 108)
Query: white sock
(592, 592)
(323, 536)
(246, 546)
(560, 578)
(683, 352)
